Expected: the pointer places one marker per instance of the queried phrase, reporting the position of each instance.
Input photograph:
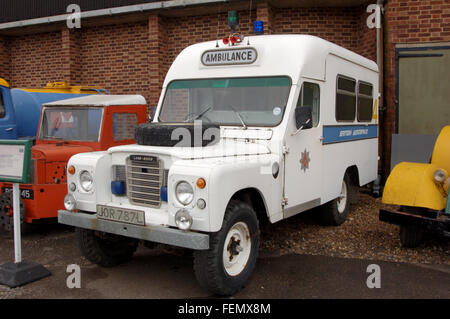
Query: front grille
(145, 175)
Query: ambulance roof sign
(15, 156)
(229, 57)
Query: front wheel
(104, 249)
(226, 267)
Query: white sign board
(230, 56)
(11, 161)
(15, 156)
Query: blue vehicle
(20, 109)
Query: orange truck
(68, 127)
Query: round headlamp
(184, 193)
(86, 181)
(69, 202)
(440, 175)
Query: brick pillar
(71, 56)
(264, 12)
(4, 59)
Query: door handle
(9, 129)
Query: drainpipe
(377, 188)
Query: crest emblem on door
(304, 160)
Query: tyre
(106, 250)
(335, 212)
(6, 215)
(226, 267)
(411, 236)
(182, 134)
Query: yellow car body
(413, 184)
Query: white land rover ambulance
(280, 124)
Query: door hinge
(285, 150)
(284, 202)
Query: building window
(124, 125)
(310, 96)
(345, 99)
(365, 102)
(2, 106)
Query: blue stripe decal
(346, 133)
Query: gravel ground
(361, 236)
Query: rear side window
(124, 125)
(345, 99)
(2, 106)
(365, 102)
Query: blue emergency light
(258, 27)
(118, 188)
(163, 194)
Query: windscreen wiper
(198, 116)
(244, 126)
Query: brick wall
(133, 58)
(338, 25)
(116, 58)
(408, 22)
(35, 59)
(4, 58)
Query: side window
(365, 102)
(124, 125)
(345, 99)
(310, 96)
(2, 105)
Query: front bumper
(439, 225)
(154, 233)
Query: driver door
(303, 161)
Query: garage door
(424, 90)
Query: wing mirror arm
(301, 127)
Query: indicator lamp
(201, 183)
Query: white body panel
(243, 159)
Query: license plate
(128, 216)
(24, 193)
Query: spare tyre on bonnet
(177, 134)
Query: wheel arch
(353, 173)
(255, 199)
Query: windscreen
(71, 123)
(227, 101)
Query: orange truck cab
(68, 127)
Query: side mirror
(303, 117)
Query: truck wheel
(6, 214)
(335, 212)
(106, 250)
(410, 236)
(226, 267)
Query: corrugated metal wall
(16, 10)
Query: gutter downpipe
(377, 188)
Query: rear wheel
(335, 212)
(104, 249)
(226, 267)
